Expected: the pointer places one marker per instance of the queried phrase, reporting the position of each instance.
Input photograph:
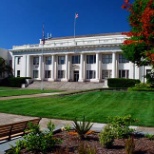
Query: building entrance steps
(67, 85)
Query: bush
(106, 137)
(122, 83)
(37, 141)
(130, 145)
(141, 87)
(118, 128)
(14, 81)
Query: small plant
(84, 148)
(130, 145)
(150, 136)
(120, 126)
(16, 149)
(82, 127)
(106, 138)
(38, 141)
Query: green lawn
(6, 91)
(96, 106)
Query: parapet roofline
(88, 35)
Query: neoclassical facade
(92, 58)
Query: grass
(96, 106)
(6, 91)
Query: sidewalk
(30, 96)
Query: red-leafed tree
(139, 47)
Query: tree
(139, 47)
(5, 69)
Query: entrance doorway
(76, 76)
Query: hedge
(13, 81)
(122, 83)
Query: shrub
(82, 127)
(130, 145)
(141, 87)
(106, 137)
(118, 128)
(149, 136)
(122, 83)
(14, 81)
(86, 149)
(37, 141)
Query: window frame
(61, 60)
(107, 58)
(61, 74)
(76, 59)
(36, 60)
(90, 74)
(91, 59)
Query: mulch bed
(71, 145)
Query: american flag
(76, 15)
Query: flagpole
(75, 17)
(42, 66)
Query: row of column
(67, 67)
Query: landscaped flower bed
(71, 144)
(115, 138)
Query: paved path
(11, 118)
(30, 96)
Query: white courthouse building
(92, 58)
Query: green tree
(5, 69)
(139, 46)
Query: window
(18, 73)
(91, 59)
(35, 73)
(61, 60)
(47, 74)
(18, 60)
(47, 60)
(122, 59)
(91, 74)
(61, 74)
(107, 58)
(124, 74)
(76, 59)
(35, 60)
(106, 74)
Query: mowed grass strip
(96, 106)
(5, 92)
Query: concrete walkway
(30, 96)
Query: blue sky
(22, 20)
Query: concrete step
(65, 85)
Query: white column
(28, 66)
(97, 67)
(66, 68)
(69, 74)
(113, 65)
(81, 68)
(13, 65)
(53, 66)
(40, 68)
